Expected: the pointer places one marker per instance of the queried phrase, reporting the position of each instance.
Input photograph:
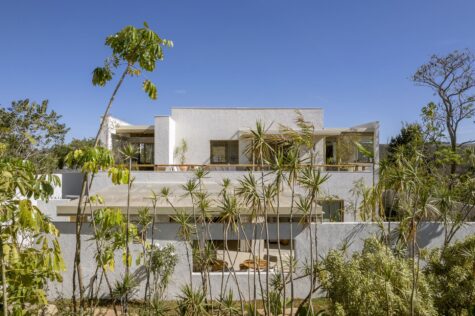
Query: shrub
(451, 273)
(373, 282)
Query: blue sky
(353, 58)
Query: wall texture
(329, 236)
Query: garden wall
(330, 236)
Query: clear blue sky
(353, 58)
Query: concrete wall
(198, 126)
(338, 185)
(329, 235)
(164, 140)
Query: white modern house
(216, 141)
(215, 136)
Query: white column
(164, 140)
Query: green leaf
(101, 75)
(150, 89)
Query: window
(367, 144)
(332, 210)
(145, 153)
(224, 152)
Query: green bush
(451, 274)
(373, 282)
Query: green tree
(451, 273)
(29, 131)
(373, 282)
(29, 249)
(409, 139)
(134, 50)
(61, 151)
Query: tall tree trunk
(127, 248)
(79, 212)
(291, 259)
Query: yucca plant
(192, 302)
(186, 231)
(230, 208)
(227, 305)
(123, 290)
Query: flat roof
(135, 129)
(245, 108)
(116, 197)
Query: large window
(332, 210)
(145, 155)
(224, 152)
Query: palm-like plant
(154, 199)
(129, 153)
(185, 232)
(229, 216)
(191, 302)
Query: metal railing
(348, 167)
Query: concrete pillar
(164, 140)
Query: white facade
(206, 129)
(199, 126)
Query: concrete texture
(329, 236)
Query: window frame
(227, 149)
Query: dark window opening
(332, 210)
(224, 152)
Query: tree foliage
(30, 251)
(62, 150)
(29, 131)
(139, 49)
(373, 282)
(451, 274)
(409, 139)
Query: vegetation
(134, 50)
(452, 79)
(391, 275)
(31, 131)
(180, 151)
(30, 253)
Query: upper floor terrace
(218, 139)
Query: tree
(133, 50)
(29, 249)
(451, 273)
(373, 282)
(61, 151)
(29, 131)
(409, 139)
(452, 78)
(137, 49)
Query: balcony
(347, 167)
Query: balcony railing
(348, 167)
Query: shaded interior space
(345, 148)
(237, 255)
(142, 138)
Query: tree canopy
(29, 131)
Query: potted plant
(180, 154)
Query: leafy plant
(180, 151)
(31, 131)
(30, 253)
(137, 49)
(373, 282)
(192, 302)
(451, 273)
